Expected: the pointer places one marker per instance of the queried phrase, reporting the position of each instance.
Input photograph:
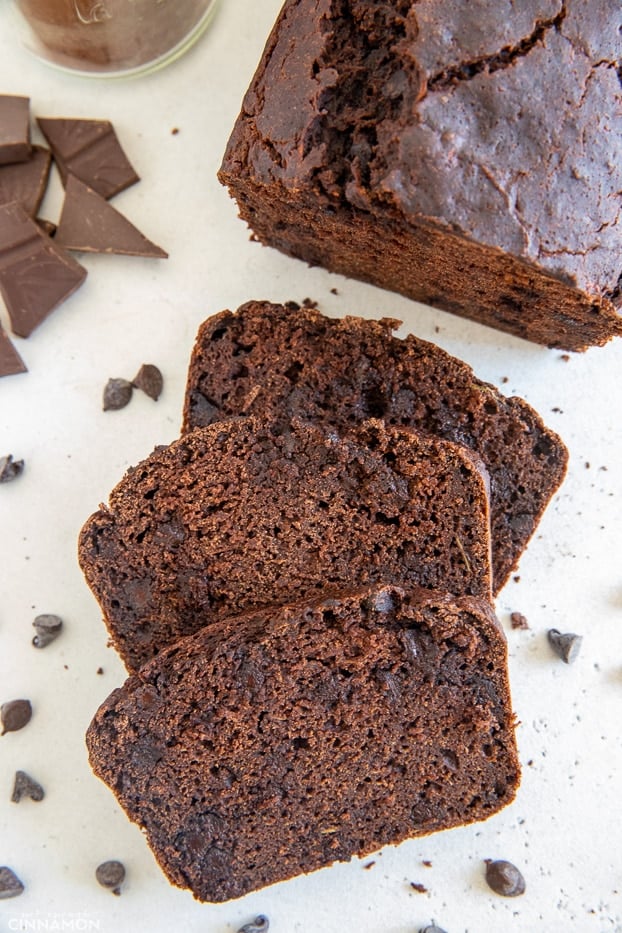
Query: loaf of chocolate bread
(284, 361)
(466, 155)
(243, 513)
(278, 742)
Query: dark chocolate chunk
(117, 394)
(260, 924)
(504, 878)
(25, 786)
(11, 362)
(149, 379)
(48, 628)
(565, 645)
(518, 620)
(14, 129)
(10, 469)
(14, 715)
(91, 225)
(10, 885)
(111, 875)
(25, 182)
(35, 274)
(90, 150)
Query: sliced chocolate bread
(243, 513)
(284, 361)
(287, 739)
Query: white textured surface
(563, 831)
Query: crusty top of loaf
(497, 120)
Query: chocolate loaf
(467, 156)
(284, 361)
(290, 738)
(243, 514)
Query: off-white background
(564, 828)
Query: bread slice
(283, 361)
(293, 737)
(473, 167)
(243, 514)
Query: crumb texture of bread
(465, 155)
(296, 736)
(283, 361)
(243, 513)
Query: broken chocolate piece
(91, 225)
(10, 469)
(149, 380)
(25, 786)
(11, 362)
(565, 645)
(90, 150)
(26, 181)
(35, 274)
(14, 129)
(10, 885)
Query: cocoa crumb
(419, 888)
(518, 620)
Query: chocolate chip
(117, 394)
(566, 646)
(25, 786)
(149, 379)
(518, 620)
(14, 715)
(504, 878)
(111, 875)
(259, 925)
(10, 469)
(99, 670)
(431, 929)
(10, 885)
(48, 628)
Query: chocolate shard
(90, 150)
(14, 128)
(91, 225)
(26, 181)
(35, 274)
(11, 362)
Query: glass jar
(112, 37)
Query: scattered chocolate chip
(504, 878)
(175, 131)
(89, 224)
(558, 410)
(111, 875)
(149, 380)
(518, 620)
(334, 291)
(36, 275)
(565, 357)
(10, 469)
(431, 929)
(517, 578)
(48, 628)
(90, 150)
(10, 885)
(259, 925)
(419, 888)
(504, 379)
(427, 863)
(99, 670)
(369, 865)
(14, 715)
(14, 128)
(566, 646)
(117, 394)
(25, 786)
